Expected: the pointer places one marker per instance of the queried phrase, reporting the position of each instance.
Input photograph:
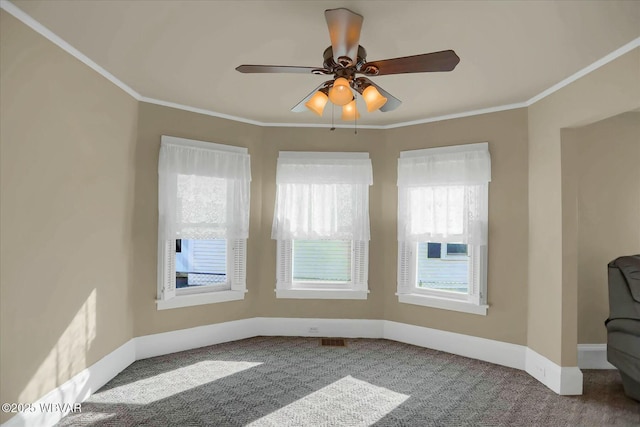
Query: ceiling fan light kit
(340, 93)
(350, 111)
(373, 98)
(317, 102)
(345, 58)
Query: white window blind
(239, 264)
(322, 196)
(203, 200)
(203, 192)
(441, 194)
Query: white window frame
(233, 289)
(475, 301)
(357, 288)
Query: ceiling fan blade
(300, 107)
(344, 30)
(274, 69)
(392, 102)
(445, 60)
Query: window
(440, 269)
(321, 223)
(322, 261)
(201, 263)
(203, 203)
(442, 227)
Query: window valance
(442, 194)
(295, 170)
(203, 192)
(322, 196)
(457, 165)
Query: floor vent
(333, 342)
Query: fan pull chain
(355, 116)
(332, 111)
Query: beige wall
(607, 159)
(67, 140)
(506, 133)
(153, 122)
(552, 307)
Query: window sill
(321, 294)
(443, 303)
(200, 299)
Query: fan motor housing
(345, 63)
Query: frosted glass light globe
(340, 93)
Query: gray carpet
(281, 381)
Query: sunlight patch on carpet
(167, 384)
(348, 401)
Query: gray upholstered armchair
(623, 324)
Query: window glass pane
(322, 260)
(456, 249)
(433, 250)
(446, 274)
(201, 263)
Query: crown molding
(199, 111)
(58, 41)
(249, 121)
(586, 70)
(457, 115)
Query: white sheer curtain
(442, 194)
(203, 193)
(322, 196)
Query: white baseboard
(562, 380)
(296, 327)
(200, 336)
(593, 356)
(76, 390)
(498, 352)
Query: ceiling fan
(345, 58)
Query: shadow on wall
(68, 356)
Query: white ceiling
(185, 52)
